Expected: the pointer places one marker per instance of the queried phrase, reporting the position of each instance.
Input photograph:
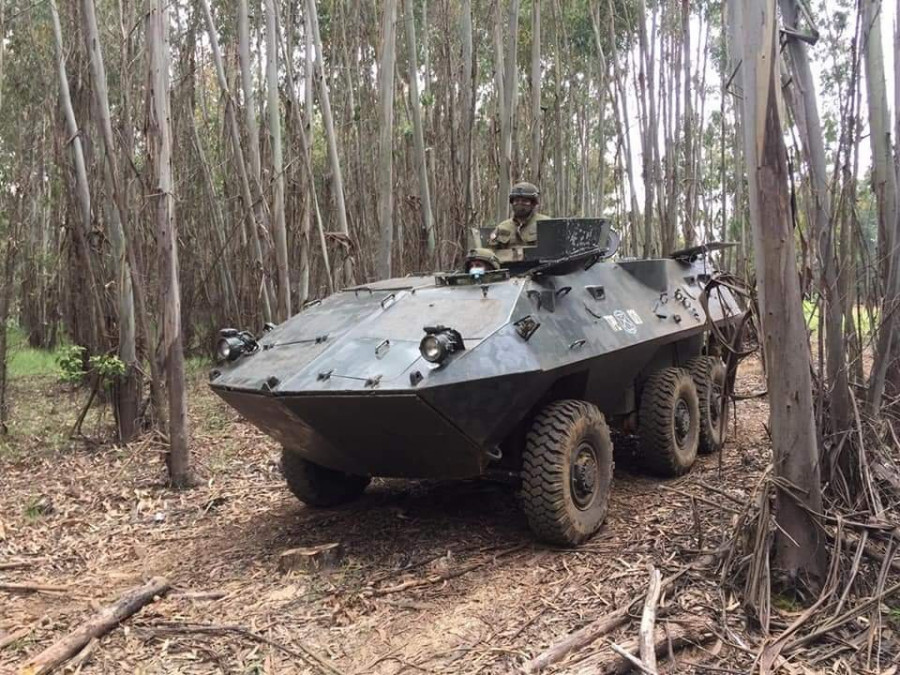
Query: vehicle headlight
(229, 348)
(433, 349)
(232, 343)
(438, 344)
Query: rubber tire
(316, 485)
(550, 448)
(660, 452)
(707, 370)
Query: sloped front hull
(392, 435)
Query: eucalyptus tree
(415, 105)
(385, 197)
(160, 142)
(799, 544)
(347, 275)
(806, 113)
(81, 187)
(508, 97)
(129, 277)
(884, 178)
(253, 226)
(281, 251)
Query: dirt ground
(436, 577)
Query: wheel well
(570, 386)
(673, 354)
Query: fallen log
(648, 621)
(199, 595)
(580, 638)
(678, 635)
(101, 623)
(587, 634)
(606, 623)
(33, 587)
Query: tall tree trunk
(82, 191)
(501, 205)
(160, 140)
(304, 129)
(250, 119)
(688, 226)
(330, 137)
(128, 389)
(508, 110)
(232, 306)
(467, 105)
(799, 545)
(305, 125)
(232, 124)
(885, 188)
(648, 136)
(536, 92)
(8, 266)
(7, 278)
(823, 231)
(280, 228)
(418, 132)
(385, 196)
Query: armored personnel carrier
(518, 369)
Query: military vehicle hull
(344, 385)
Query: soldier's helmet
(484, 256)
(527, 190)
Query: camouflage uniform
(511, 233)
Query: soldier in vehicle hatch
(521, 229)
(481, 260)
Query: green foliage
(71, 363)
(107, 367)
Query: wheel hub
(584, 476)
(682, 421)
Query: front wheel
(316, 485)
(566, 472)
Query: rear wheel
(566, 472)
(316, 485)
(669, 422)
(708, 373)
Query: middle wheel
(669, 422)
(566, 472)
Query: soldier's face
(477, 267)
(522, 207)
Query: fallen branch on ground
(438, 578)
(199, 595)
(305, 653)
(33, 587)
(678, 635)
(648, 621)
(14, 565)
(606, 623)
(101, 623)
